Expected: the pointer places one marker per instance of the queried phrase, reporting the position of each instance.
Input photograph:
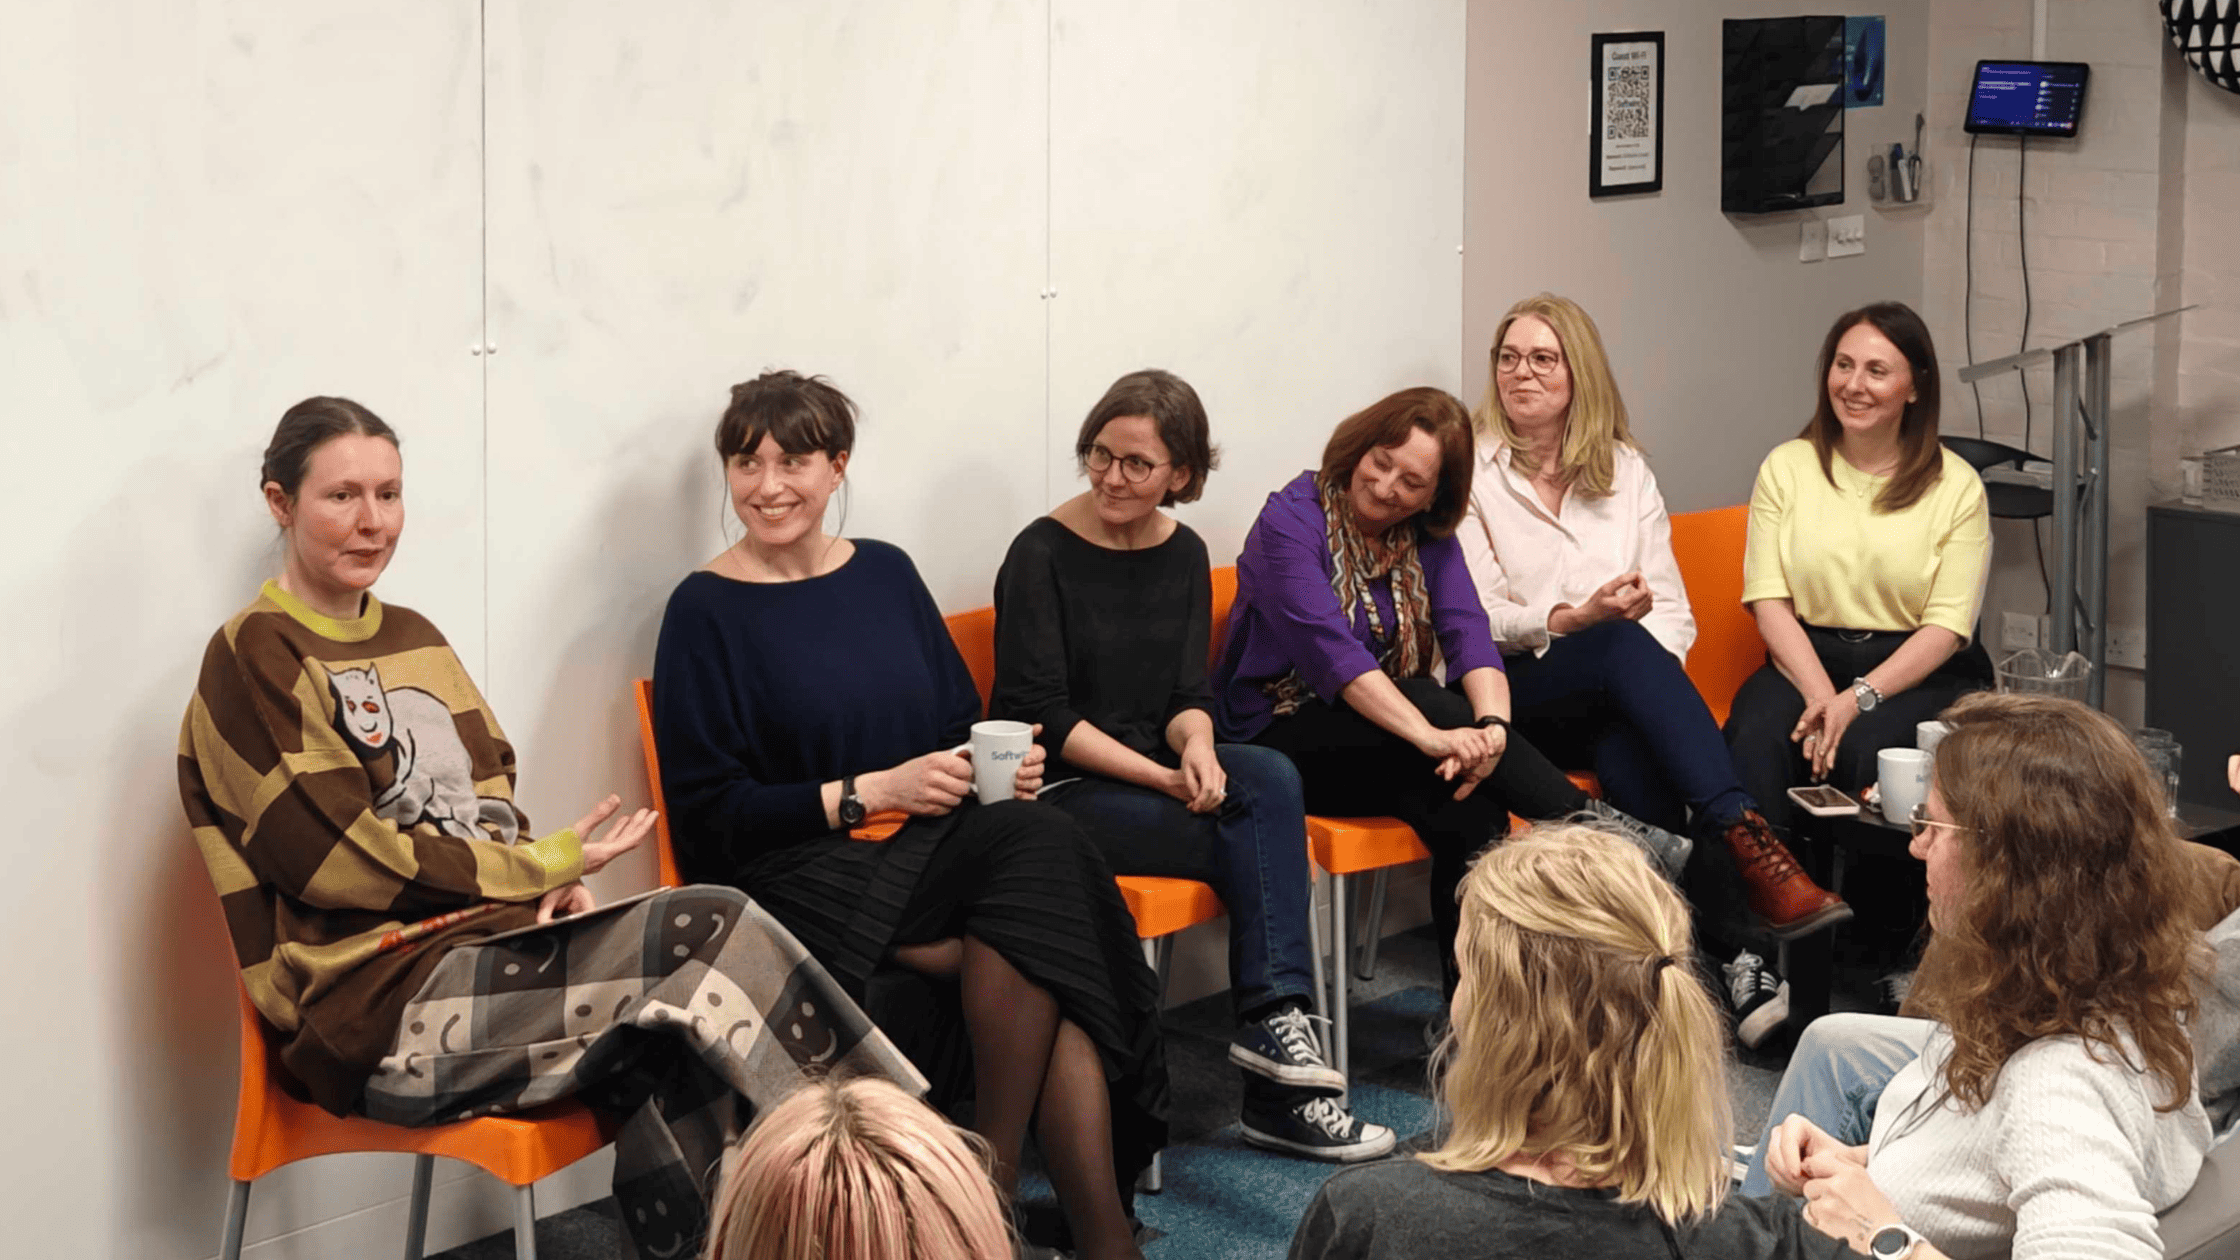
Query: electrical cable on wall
(2022, 249)
(1968, 282)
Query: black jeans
(1351, 766)
(1767, 707)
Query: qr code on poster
(1627, 104)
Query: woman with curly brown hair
(2053, 1109)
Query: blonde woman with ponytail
(1584, 1080)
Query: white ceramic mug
(997, 748)
(1927, 735)
(1903, 774)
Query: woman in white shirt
(1571, 551)
(2053, 1110)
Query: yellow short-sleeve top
(1848, 566)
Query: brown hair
(1920, 457)
(1386, 422)
(2072, 920)
(804, 413)
(1174, 408)
(306, 427)
(1584, 1029)
(1596, 423)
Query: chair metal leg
(525, 1223)
(1158, 954)
(1340, 1028)
(1372, 933)
(237, 1216)
(1321, 981)
(416, 1215)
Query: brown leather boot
(1780, 892)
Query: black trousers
(1350, 765)
(1767, 707)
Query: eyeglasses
(1134, 468)
(1542, 362)
(1922, 822)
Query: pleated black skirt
(1020, 877)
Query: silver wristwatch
(1864, 692)
(1893, 1242)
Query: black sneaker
(1760, 998)
(1283, 1049)
(1318, 1128)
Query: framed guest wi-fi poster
(1626, 152)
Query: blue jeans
(1252, 848)
(1836, 1076)
(1612, 697)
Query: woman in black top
(803, 680)
(1103, 616)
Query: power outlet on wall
(2018, 631)
(2127, 647)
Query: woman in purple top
(1350, 589)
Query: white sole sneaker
(1317, 1078)
(1375, 1141)
(1760, 1023)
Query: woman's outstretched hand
(626, 835)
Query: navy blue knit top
(765, 691)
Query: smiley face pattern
(684, 1014)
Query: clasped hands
(1467, 753)
(626, 835)
(1821, 729)
(1840, 1199)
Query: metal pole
(2062, 615)
(2099, 417)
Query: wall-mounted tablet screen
(2027, 98)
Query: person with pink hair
(859, 1170)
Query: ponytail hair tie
(1657, 967)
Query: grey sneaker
(1319, 1128)
(1283, 1048)
(1668, 851)
(1759, 997)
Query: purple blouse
(1286, 616)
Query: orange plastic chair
(270, 1129)
(1709, 547)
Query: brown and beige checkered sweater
(352, 796)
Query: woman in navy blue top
(1103, 621)
(804, 681)
(1350, 588)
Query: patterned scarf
(1360, 560)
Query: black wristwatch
(852, 812)
(1893, 1242)
(1491, 719)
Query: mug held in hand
(996, 749)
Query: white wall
(213, 209)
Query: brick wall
(2120, 222)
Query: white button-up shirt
(1526, 561)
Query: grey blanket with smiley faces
(683, 1016)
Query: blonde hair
(858, 1170)
(1596, 424)
(1582, 1028)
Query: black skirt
(1021, 878)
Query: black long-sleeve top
(765, 691)
(1116, 639)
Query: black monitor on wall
(1781, 116)
(2027, 98)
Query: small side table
(1810, 963)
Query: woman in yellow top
(1869, 543)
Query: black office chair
(2014, 502)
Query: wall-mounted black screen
(2027, 98)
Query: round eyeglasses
(1134, 468)
(1922, 822)
(1509, 362)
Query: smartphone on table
(1822, 801)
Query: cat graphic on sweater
(434, 774)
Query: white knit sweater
(2069, 1158)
